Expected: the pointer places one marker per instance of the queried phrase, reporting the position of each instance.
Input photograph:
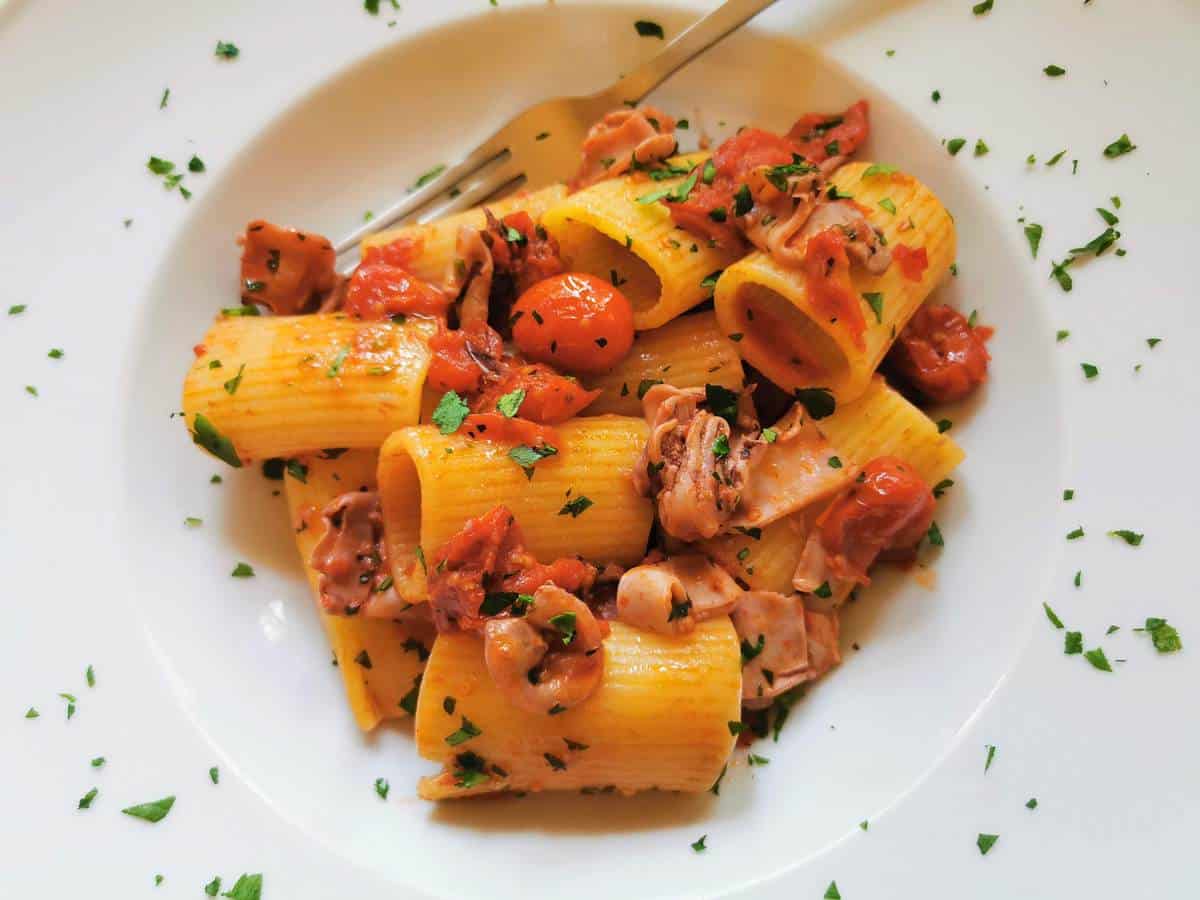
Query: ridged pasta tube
(785, 335)
(659, 719)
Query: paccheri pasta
(581, 478)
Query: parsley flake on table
(1031, 803)
(166, 95)
(699, 846)
(451, 411)
(1153, 342)
(17, 308)
(1166, 639)
(755, 760)
(936, 96)
(31, 390)
(155, 811)
(1058, 271)
(1132, 538)
(864, 824)
(247, 887)
(1119, 147)
(55, 353)
(242, 570)
(226, 50)
(1098, 659)
(1033, 234)
(985, 842)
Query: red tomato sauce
(913, 263)
(827, 281)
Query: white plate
(328, 113)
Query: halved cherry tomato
(815, 134)
(549, 397)
(575, 322)
(888, 507)
(940, 355)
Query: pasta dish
(582, 478)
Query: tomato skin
(913, 263)
(378, 290)
(827, 281)
(854, 128)
(574, 321)
(940, 355)
(888, 507)
(549, 397)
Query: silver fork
(545, 138)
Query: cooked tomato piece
(457, 569)
(549, 397)
(576, 322)
(573, 575)
(827, 280)
(889, 507)
(815, 134)
(462, 358)
(400, 252)
(530, 259)
(501, 429)
(285, 269)
(912, 263)
(940, 355)
(378, 290)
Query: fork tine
(477, 159)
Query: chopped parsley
(555, 762)
(205, 434)
(824, 591)
(832, 892)
(955, 144)
(1052, 161)
(98, 762)
(979, 9)
(875, 301)
(1031, 803)
(17, 308)
(564, 624)
(89, 675)
(985, 842)
(1132, 538)
(743, 202)
(736, 728)
(1033, 234)
(196, 164)
(887, 204)
(526, 457)
(85, 802)
(646, 28)
(981, 149)
(709, 281)
(1061, 335)
(936, 96)
(227, 50)
(721, 401)
(55, 353)
(944, 425)
(645, 384)
(935, 535)
(574, 508)
(451, 411)
(467, 731)
(941, 487)
(749, 651)
(991, 755)
(1052, 616)
(1153, 342)
(214, 775)
(213, 887)
(193, 522)
(1069, 494)
(1078, 578)
(32, 713)
(1119, 147)
(382, 787)
(755, 760)
(1054, 71)
(1166, 639)
(363, 659)
(408, 702)
(1089, 371)
(720, 447)
(510, 403)
(770, 435)
(428, 177)
(1098, 659)
(575, 745)
(247, 887)
(699, 845)
(878, 169)
(818, 401)
(1073, 642)
(155, 811)
(235, 382)
(335, 368)
(242, 570)
(1075, 534)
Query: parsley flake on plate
(991, 755)
(227, 50)
(1166, 639)
(1132, 538)
(832, 892)
(1054, 71)
(1052, 616)
(1033, 234)
(85, 802)
(1098, 659)
(247, 887)
(955, 144)
(1119, 147)
(154, 811)
(1073, 642)
(985, 842)
(382, 787)
(214, 775)
(242, 570)
(213, 887)
(206, 435)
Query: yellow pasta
(394, 652)
(762, 560)
(769, 303)
(432, 483)
(689, 351)
(438, 239)
(659, 719)
(882, 423)
(604, 230)
(282, 385)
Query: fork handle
(697, 38)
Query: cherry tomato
(889, 506)
(940, 355)
(575, 322)
(462, 358)
(378, 290)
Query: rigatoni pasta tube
(882, 423)
(578, 501)
(689, 351)
(794, 345)
(379, 659)
(659, 719)
(605, 231)
(282, 385)
(438, 239)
